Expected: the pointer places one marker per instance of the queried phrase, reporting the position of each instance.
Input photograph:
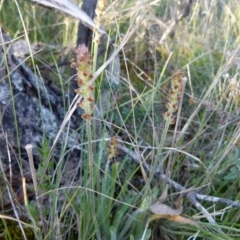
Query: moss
(10, 230)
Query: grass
(108, 198)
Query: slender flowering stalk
(83, 65)
(174, 98)
(96, 34)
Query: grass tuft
(143, 123)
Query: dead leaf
(161, 210)
(176, 218)
(70, 7)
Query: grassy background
(200, 46)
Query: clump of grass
(204, 140)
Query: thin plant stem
(175, 130)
